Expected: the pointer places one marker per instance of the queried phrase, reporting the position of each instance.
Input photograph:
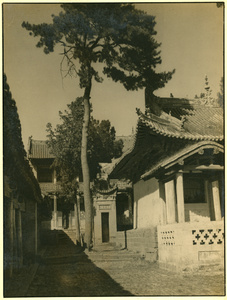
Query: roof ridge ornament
(207, 100)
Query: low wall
(191, 245)
(142, 241)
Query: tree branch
(71, 66)
(93, 45)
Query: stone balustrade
(189, 245)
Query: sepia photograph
(113, 149)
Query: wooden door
(105, 227)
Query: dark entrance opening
(105, 227)
(124, 211)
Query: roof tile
(200, 124)
(39, 149)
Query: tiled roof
(199, 124)
(39, 149)
(160, 138)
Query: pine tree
(119, 37)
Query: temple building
(42, 159)
(112, 202)
(176, 169)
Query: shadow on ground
(66, 271)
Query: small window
(194, 188)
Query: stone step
(111, 259)
(68, 233)
(113, 256)
(105, 249)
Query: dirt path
(66, 271)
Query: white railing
(50, 187)
(197, 233)
(191, 243)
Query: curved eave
(182, 155)
(106, 192)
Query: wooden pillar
(130, 206)
(170, 202)
(70, 219)
(10, 248)
(216, 200)
(163, 201)
(180, 197)
(55, 212)
(20, 247)
(36, 228)
(135, 217)
(15, 240)
(208, 199)
(54, 177)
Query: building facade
(177, 171)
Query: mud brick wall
(143, 241)
(28, 231)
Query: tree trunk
(85, 168)
(77, 220)
(150, 102)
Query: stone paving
(68, 271)
(146, 279)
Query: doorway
(105, 227)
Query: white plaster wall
(147, 204)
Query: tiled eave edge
(182, 155)
(155, 124)
(106, 192)
(119, 186)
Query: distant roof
(39, 149)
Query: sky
(191, 37)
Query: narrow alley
(65, 270)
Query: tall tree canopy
(116, 35)
(65, 143)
